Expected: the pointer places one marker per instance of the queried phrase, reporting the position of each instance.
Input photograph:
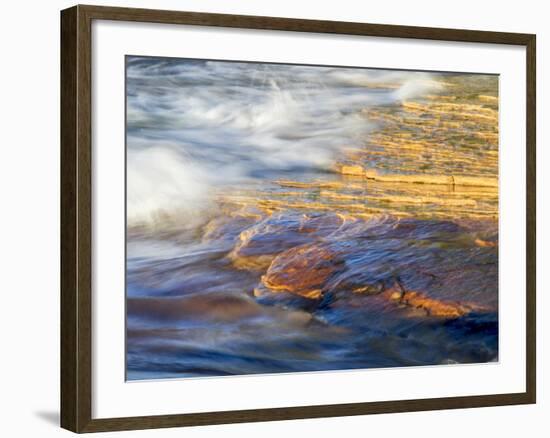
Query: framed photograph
(271, 218)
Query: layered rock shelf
(449, 180)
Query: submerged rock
(440, 270)
(259, 244)
(485, 243)
(226, 227)
(303, 271)
(431, 306)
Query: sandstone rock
(259, 244)
(303, 271)
(490, 99)
(485, 243)
(476, 181)
(409, 178)
(352, 170)
(363, 260)
(459, 180)
(432, 307)
(227, 227)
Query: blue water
(191, 313)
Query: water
(194, 126)
(250, 250)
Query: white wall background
(29, 223)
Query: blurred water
(194, 126)
(191, 313)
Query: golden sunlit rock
(301, 271)
(432, 158)
(431, 306)
(258, 245)
(485, 243)
(352, 170)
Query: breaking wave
(196, 126)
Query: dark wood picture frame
(76, 218)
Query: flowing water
(298, 218)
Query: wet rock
(302, 271)
(431, 306)
(485, 243)
(425, 229)
(460, 180)
(308, 270)
(259, 244)
(228, 227)
(438, 258)
(354, 170)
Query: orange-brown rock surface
(303, 271)
(431, 306)
(258, 245)
(433, 260)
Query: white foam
(194, 126)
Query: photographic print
(295, 218)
